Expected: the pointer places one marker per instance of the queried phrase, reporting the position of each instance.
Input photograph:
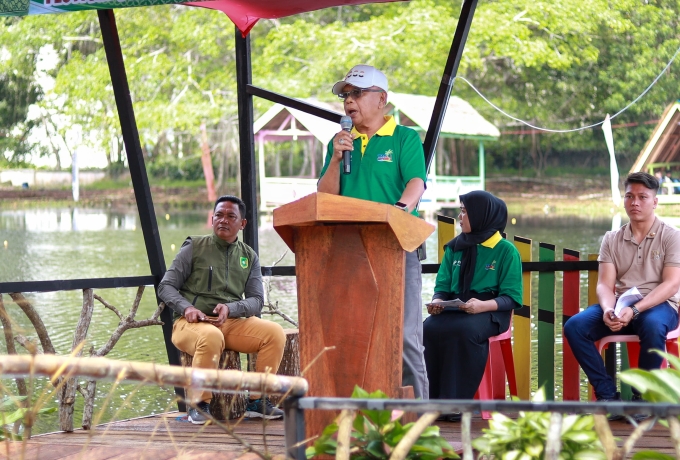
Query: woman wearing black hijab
(485, 271)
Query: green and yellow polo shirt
(383, 164)
(498, 269)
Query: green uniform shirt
(498, 269)
(383, 165)
(208, 271)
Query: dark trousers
(586, 328)
(456, 350)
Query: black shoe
(638, 418)
(451, 417)
(200, 414)
(263, 409)
(455, 417)
(616, 398)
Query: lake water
(46, 244)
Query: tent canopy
(242, 13)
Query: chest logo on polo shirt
(244, 262)
(387, 156)
(656, 254)
(491, 266)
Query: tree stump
(230, 406)
(290, 363)
(224, 406)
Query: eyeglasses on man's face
(357, 92)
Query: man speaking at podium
(384, 163)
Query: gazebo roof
(461, 119)
(663, 145)
(274, 119)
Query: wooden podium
(349, 262)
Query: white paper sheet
(627, 299)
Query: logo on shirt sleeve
(387, 156)
(244, 262)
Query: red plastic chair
(633, 344)
(499, 364)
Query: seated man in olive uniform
(214, 286)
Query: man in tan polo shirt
(645, 253)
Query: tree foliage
(557, 64)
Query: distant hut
(462, 122)
(661, 154)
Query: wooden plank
(546, 323)
(592, 299)
(571, 294)
(446, 231)
(522, 326)
(209, 442)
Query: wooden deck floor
(166, 436)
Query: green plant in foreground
(375, 434)
(10, 412)
(525, 438)
(658, 386)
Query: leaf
(653, 388)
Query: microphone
(346, 125)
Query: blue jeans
(587, 327)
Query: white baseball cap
(362, 76)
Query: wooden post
(446, 231)
(546, 323)
(592, 299)
(571, 293)
(522, 326)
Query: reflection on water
(45, 244)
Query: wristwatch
(636, 312)
(401, 206)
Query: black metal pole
(294, 428)
(244, 77)
(140, 181)
(450, 70)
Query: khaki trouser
(206, 342)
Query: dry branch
(674, 425)
(153, 374)
(465, 436)
(129, 322)
(28, 344)
(35, 319)
(553, 445)
(604, 432)
(344, 434)
(9, 341)
(404, 446)
(67, 398)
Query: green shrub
(526, 437)
(375, 433)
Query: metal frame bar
(294, 103)
(450, 69)
(70, 285)
(295, 407)
(140, 180)
(244, 76)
